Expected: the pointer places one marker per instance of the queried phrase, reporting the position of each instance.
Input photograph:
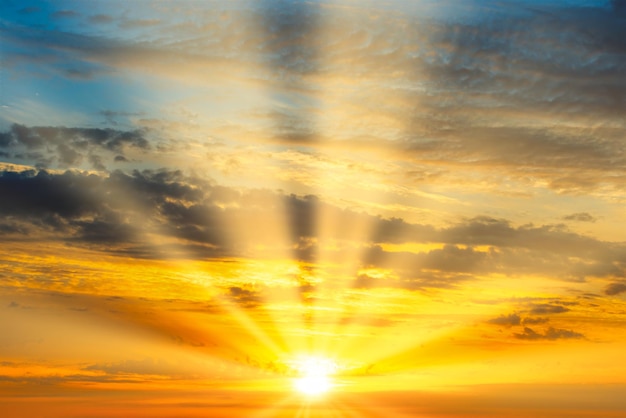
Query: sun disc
(314, 374)
(313, 385)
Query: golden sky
(222, 208)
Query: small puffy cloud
(546, 308)
(535, 321)
(248, 298)
(580, 217)
(550, 334)
(507, 320)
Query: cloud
(508, 320)
(197, 218)
(619, 6)
(30, 10)
(549, 334)
(63, 14)
(515, 319)
(615, 288)
(248, 298)
(546, 308)
(139, 23)
(101, 19)
(580, 217)
(149, 366)
(535, 321)
(557, 112)
(68, 147)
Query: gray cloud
(68, 146)
(546, 308)
(507, 320)
(101, 19)
(580, 217)
(63, 14)
(30, 10)
(615, 288)
(550, 334)
(515, 319)
(511, 65)
(120, 210)
(619, 6)
(535, 320)
(248, 298)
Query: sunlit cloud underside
(337, 209)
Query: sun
(315, 375)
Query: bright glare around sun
(314, 374)
(312, 385)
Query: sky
(425, 199)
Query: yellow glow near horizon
(314, 374)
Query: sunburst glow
(314, 375)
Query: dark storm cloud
(550, 334)
(69, 145)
